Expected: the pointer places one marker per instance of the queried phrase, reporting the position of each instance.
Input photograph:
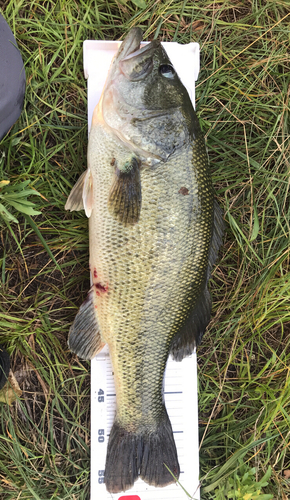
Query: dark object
(12, 79)
(4, 367)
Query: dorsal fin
(190, 334)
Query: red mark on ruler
(130, 497)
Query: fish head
(144, 102)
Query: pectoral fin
(125, 195)
(81, 196)
(84, 336)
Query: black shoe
(4, 367)
(12, 79)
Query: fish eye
(167, 70)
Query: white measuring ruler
(180, 389)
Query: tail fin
(145, 454)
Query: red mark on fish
(101, 288)
(95, 273)
(184, 191)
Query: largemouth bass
(154, 232)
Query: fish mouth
(130, 44)
(142, 50)
(130, 47)
(136, 62)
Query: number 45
(101, 398)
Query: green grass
(243, 105)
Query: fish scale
(154, 234)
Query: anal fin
(84, 336)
